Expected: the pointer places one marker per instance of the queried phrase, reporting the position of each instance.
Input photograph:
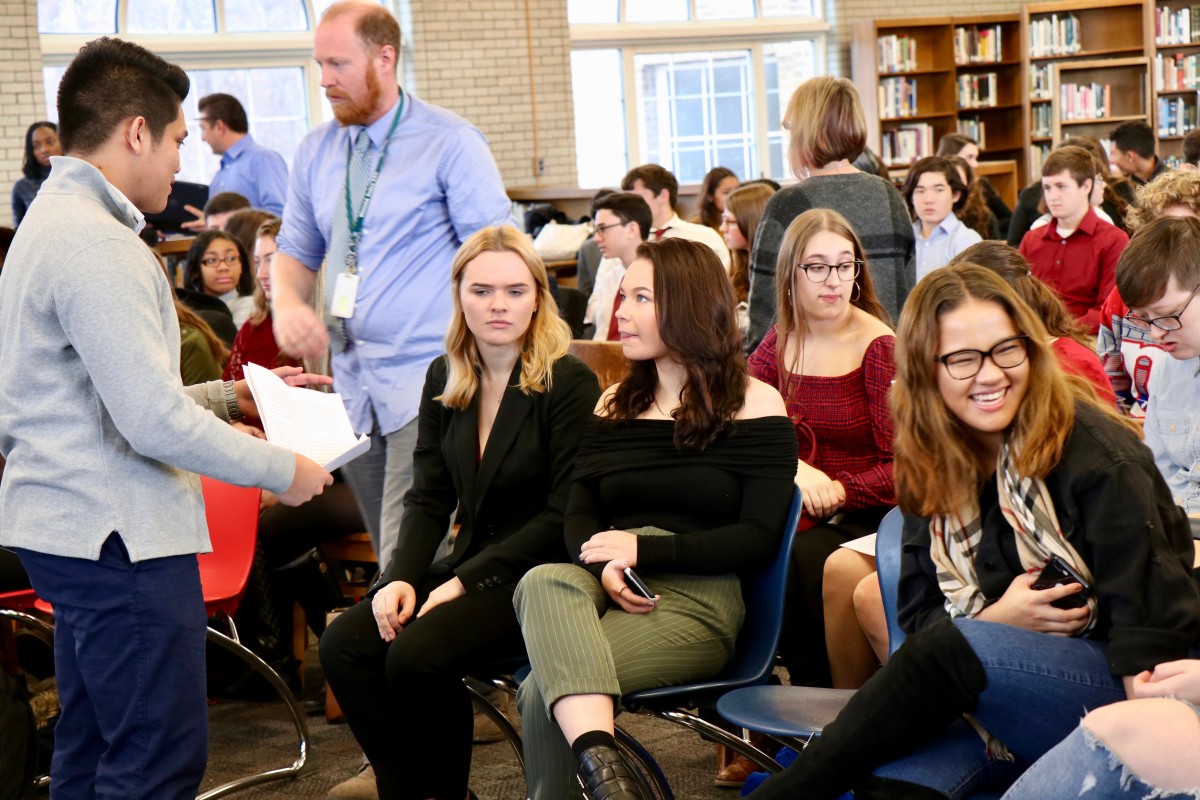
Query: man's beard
(353, 111)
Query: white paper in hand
(313, 424)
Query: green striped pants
(580, 642)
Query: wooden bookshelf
(937, 74)
(1185, 47)
(1113, 45)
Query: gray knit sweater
(878, 215)
(99, 433)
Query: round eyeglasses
(1005, 354)
(819, 273)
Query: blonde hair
(1172, 188)
(826, 122)
(746, 204)
(789, 317)
(262, 308)
(938, 465)
(545, 341)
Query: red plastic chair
(232, 515)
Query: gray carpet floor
(247, 737)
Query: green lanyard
(356, 222)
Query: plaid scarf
(1026, 505)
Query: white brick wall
(472, 57)
(21, 100)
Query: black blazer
(510, 504)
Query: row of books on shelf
(977, 45)
(897, 53)
(1084, 101)
(897, 97)
(973, 128)
(1175, 116)
(907, 143)
(1054, 35)
(1037, 156)
(1176, 72)
(1043, 120)
(1177, 26)
(978, 91)
(1040, 82)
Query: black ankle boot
(929, 683)
(606, 776)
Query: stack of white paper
(313, 424)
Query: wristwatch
(231, 403)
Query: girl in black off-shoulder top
(686, 475)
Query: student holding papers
(501, 416)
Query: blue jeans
(1039, 686)
(1081, 766)
(129, 660)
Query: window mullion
(760, 110)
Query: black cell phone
(1059, 573)
(636, 585)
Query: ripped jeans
(1082, 766)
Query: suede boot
(929, 683)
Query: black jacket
(1117, 512)
(510, 504)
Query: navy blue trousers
(129, 659)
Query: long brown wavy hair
(975, 213)
(698, 324)
(939, 466)
(789, 317)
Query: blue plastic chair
(752, 665)
(793, 715)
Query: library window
(648, 93)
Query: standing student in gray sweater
(828, 131)
(99, 499)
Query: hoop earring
(857, 286)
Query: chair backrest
(887, 562)
(232, 516)
(605, 358)
(764, 593)
(18, 600)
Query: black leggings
(405, 700)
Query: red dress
(255, 344)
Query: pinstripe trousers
(580, 642)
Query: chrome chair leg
(497, 716)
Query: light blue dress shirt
(438, 186)
(258, 174)
(1173, 429)
(947, 240)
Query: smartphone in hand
(636, 585)
(1058, 573)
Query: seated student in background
(1191, 152)
(739, 225)
(218, 265)
(1132, 358)
(1001, 464)
(623, 222)
(830, 355)
(966, 148)
(255, 342)
(589, 257)
(244, 223)
(1132, 152)
(501, 417)
(41, 143)
(936, 193)
(1076, 253)
(714, 190)
(660, 189)
(685, 475)
(217, 211)
(1159, 279)
(975, 213)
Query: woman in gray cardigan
(828, 131)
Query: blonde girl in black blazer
(500, 418)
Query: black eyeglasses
(599, 229)
(1005, 354)
(212, 261)
(1170, 322)
(819, 273)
